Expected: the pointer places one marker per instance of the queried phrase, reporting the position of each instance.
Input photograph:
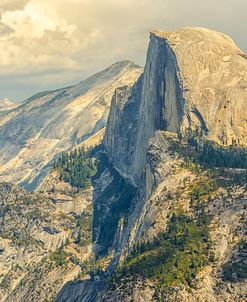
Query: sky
(48, 44)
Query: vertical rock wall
(156, 102)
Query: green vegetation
(6, 282)
(226, 165)
(174, 257)
(59, 257)
(210, 155)
(236, 269)
(202, 188)
(77, 167)
(228, 178)
(84, 225)
(90, 266)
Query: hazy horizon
(48, 45)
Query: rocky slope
(194, 79)
(173, 184)
(122, 220)
(45, 236)
(45, 240)
(48, 123)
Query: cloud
(36, 37)
(74, 33)
(12, 4)
(5, 29)
(50, 43)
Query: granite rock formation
(45, 125)
(192, 80)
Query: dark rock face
(82, 291)
(122, 131)
(155, 102)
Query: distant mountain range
(50, 122)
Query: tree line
(76, 167)
(210, 155)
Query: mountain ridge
(48, 123)
(6, 104)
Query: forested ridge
(77, 167)
(209, 154)
(174, 257)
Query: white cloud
(12, 4)
(55, 42)
(44, 34)
(37, 38)
(34, 20)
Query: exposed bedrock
(193, 78)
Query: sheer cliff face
(161, 104)
(155, 102)
(213, 71)
(192, 78)
(51, 122)
(121, 131)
